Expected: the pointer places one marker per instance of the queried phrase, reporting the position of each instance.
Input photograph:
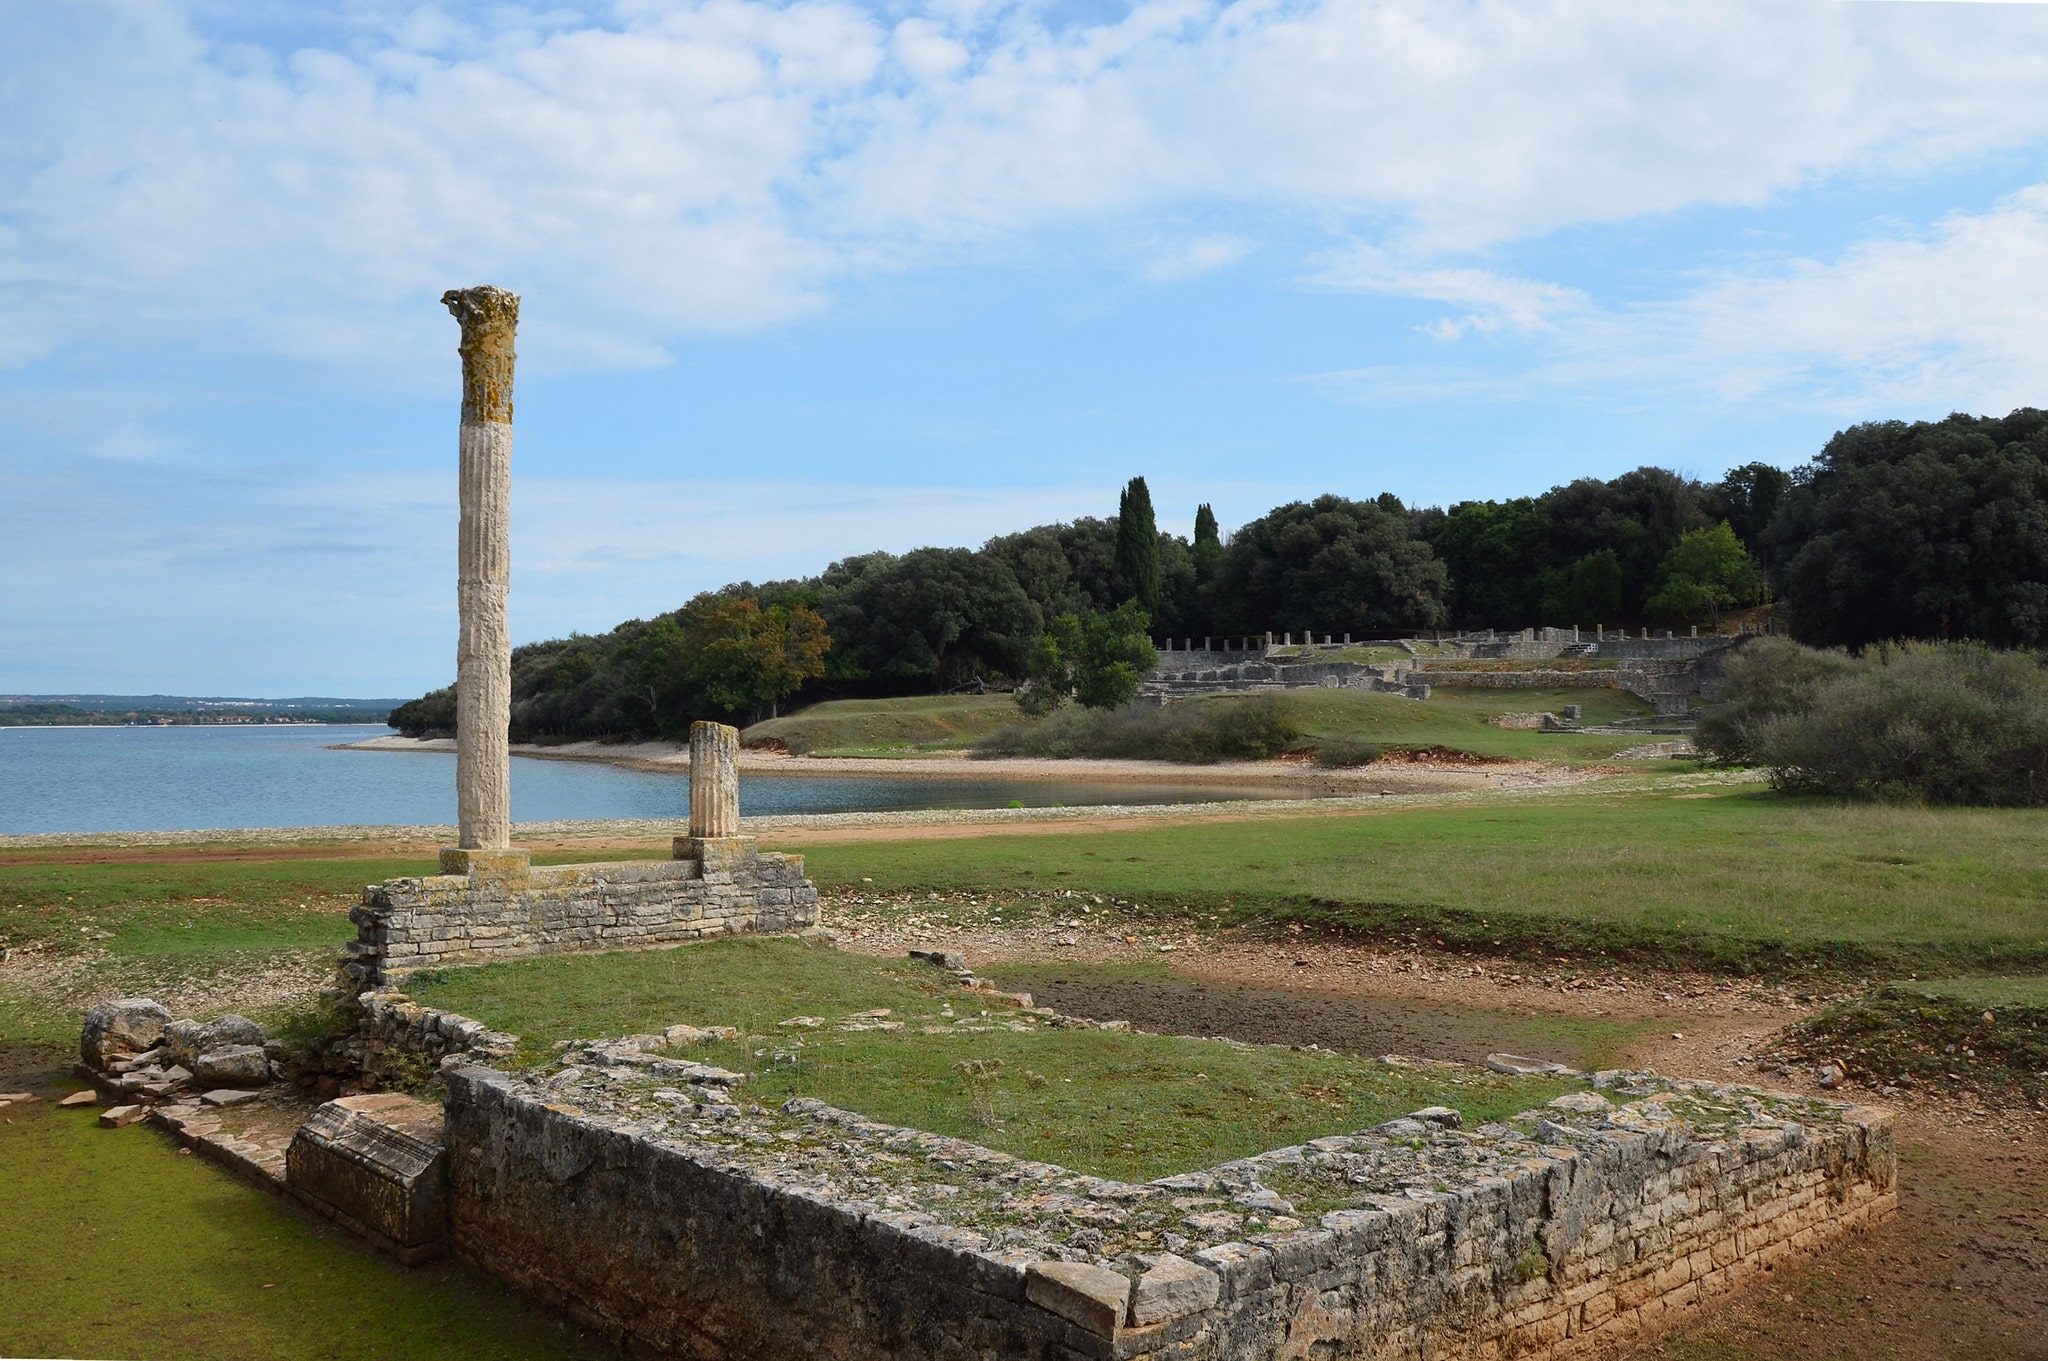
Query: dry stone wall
(728, 888)
(698, 1227)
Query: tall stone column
(483, 653)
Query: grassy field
(1115, 1104)
(887, 727)
(190, 907)
(1455, 717)
(112, 1244)
(1735, 878)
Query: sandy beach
(1283, 777)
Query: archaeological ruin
(639, 1189)
(1668, 672)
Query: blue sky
(803, 280)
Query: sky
(804, 280)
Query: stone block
(115, 1117)
(128, 1026)
(185, 1041)
(1172, 1286)
(377, 1164)
(1090, 1297)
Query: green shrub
(1250, 728)
(1347, 751)
(1766, 679)
(1940, 723)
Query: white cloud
(1487, 302)
(1199, 255)
(663, 169)
(1930, 320)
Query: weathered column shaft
(483, 652)
(714, 780)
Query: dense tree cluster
(1938, 529)
(1593, 551)
(1931, 530)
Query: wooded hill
(1929, 530)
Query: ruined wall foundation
(1593, 1221)
(728, 888)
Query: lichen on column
(483, 655)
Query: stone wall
(386, 1038)
(770, 1234)
(1202, 673)
(726, 888)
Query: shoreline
(1291, 778)
(800, 828)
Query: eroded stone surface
(377, 1163)
(116, 1029)
(185, 1041)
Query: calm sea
(179, 778)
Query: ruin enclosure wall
(1560, 1233)
(649, 1243)
(460, 919)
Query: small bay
(186, 778)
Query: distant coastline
(172, 711)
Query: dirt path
(1960, 1272)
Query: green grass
(1743, 880)
(170, 908)
(1985, 990)
(1455, 717)
(188, 907)
(888, 727)
(113, 1245)
(1124, 1105)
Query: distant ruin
(1667, 671)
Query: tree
(1937, 529)
(1495, 552)
(1707, 572)
(1099, 659)
(741, 658)
(1137, 548)
(944, 616)
(1331, 565)
(1587, 592)
(1208, 546)
(1038, 559)
(1747, 498)
(1640, 516)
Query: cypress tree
(1137, 547)
(1208, 550)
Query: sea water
(150, 779)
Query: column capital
(489, 316)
